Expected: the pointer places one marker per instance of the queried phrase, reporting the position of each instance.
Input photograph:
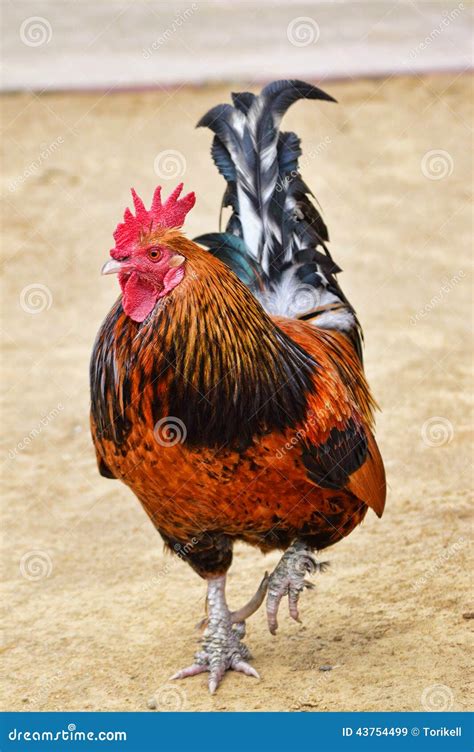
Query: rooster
(227, 383)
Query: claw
(223, 648)
(215, 677)
(245, 668)
(192, 670)
(288, 579)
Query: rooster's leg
(222, 648)
(288, 578)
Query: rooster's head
(147, 268)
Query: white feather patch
(342, 319)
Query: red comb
(170, 214)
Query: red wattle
(138, 297)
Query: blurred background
(118, 43)
(99, 96)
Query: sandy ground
(97, 617)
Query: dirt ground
(97, 617)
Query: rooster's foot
(288, 578)
(222, 649)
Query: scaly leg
(288, 578)
(222, 649)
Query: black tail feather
(276, 236)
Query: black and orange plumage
(272, 415)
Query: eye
(154, 254)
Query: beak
(111, 267)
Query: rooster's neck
(208, 355)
